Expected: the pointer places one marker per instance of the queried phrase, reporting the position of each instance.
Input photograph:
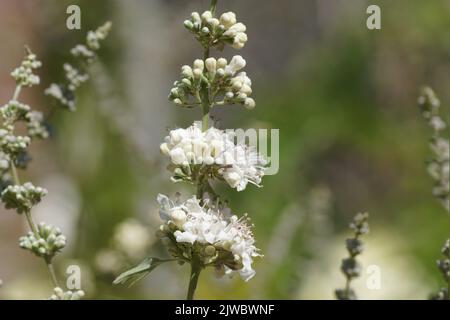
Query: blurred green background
(351, 139)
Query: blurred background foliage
(351, 139)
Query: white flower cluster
(221, 239)
(220, 76)
(211, 31)
(50, 241)
(60, 294)
(24, 75)
(215, 153)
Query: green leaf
(140, 271)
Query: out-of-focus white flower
(109, 261)
(191, 150)
(132, 238)
(212, 233)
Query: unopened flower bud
(188, 24)
(228, 19)
(199, 64)
(222, 63)
(211, 64)
(206, 15)
(196, 17)
(249, 103)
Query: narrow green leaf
(140, 271)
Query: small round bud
(188, 24)
(196, 17)
(220, 72)
(205, 30)
(198, 73)
(186, 82)
(214, 22)
(249, 103)
(246, 89)
(222, 63)
(199, 64)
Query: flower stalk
(202, 231)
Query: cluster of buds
(220, 77)
(22, 197)
(444, 267)
(213, 32)
(64, 93)
(13, 145)
(60, 294)
(15, 111)
(24, 74)
(350, 267)
(46, 243)
(439, 165)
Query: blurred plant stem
(196, 269)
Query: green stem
(17, 92)
(32, 225)
(52, 272)
(204, 95)
(213, 6)
(193, 280)
(14, 172)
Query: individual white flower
(214, 234)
